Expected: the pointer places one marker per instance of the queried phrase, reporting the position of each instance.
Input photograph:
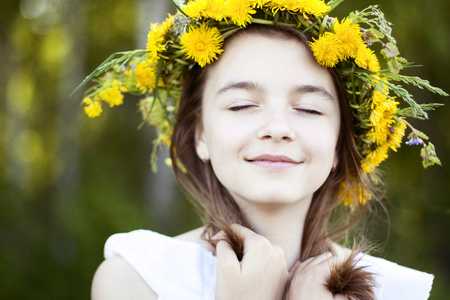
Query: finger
(293, 269)
(226, 258)
(250, 238)
(312, 261)
(211, 248)
(218, 237)
(229, 230)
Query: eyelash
(309, 111)
(240, 107)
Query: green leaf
(376, 33)
(154, 155)
(415, 111)
(416, 81)
(333, 4)
(394, 66)
(109, 63)
(429, 156)
(422, 135)
(390, 51)
(401, 60)
(407, 112)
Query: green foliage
(408, 111)
(109, 64)
(416, 81)
(415, 109)
(428, 154)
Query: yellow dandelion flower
(396, 136)
(155, 41)
(366, 58)
(215, 10)
(167, 24)
(145, 75)
(374, 158)
(349, 35)
(374, 64)
(381, 119)
(377, 80)
(378, 134)
(196, 9)
(353, 194)
(93, 108)
(166, 137)
(112, 95)
(377, 98)
(128, 73)
(327, 49)
(239, 11)
(383, 112)
(276, 5)
(259, 3)
(317, 8)
(202, 44)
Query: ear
(200, 144)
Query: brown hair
(217, 207)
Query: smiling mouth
(274, 161)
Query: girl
(276, 116)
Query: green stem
(268, 22)
(353, 84)
(179, 9)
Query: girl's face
(270, 121)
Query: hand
(262, 274)
(308, 278)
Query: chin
(274, 197)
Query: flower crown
(195, 36)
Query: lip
(273, 161)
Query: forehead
(269, 60)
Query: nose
(277, 127)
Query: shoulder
(193, 236)
(395, 281)
(174, 268)
(117, 279)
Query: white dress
(177, 269)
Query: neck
(281, 224)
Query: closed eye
(240, 107)
(309, 111)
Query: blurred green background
(68, 182)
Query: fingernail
(211, 248)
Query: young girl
(276, 116)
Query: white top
(177, 269)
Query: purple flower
(414, 141)
(369, 43)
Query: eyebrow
(253, 86)
(241, 85)
(312, 89)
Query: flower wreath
(196, 33)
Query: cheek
(225, 137)
(320, 143)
